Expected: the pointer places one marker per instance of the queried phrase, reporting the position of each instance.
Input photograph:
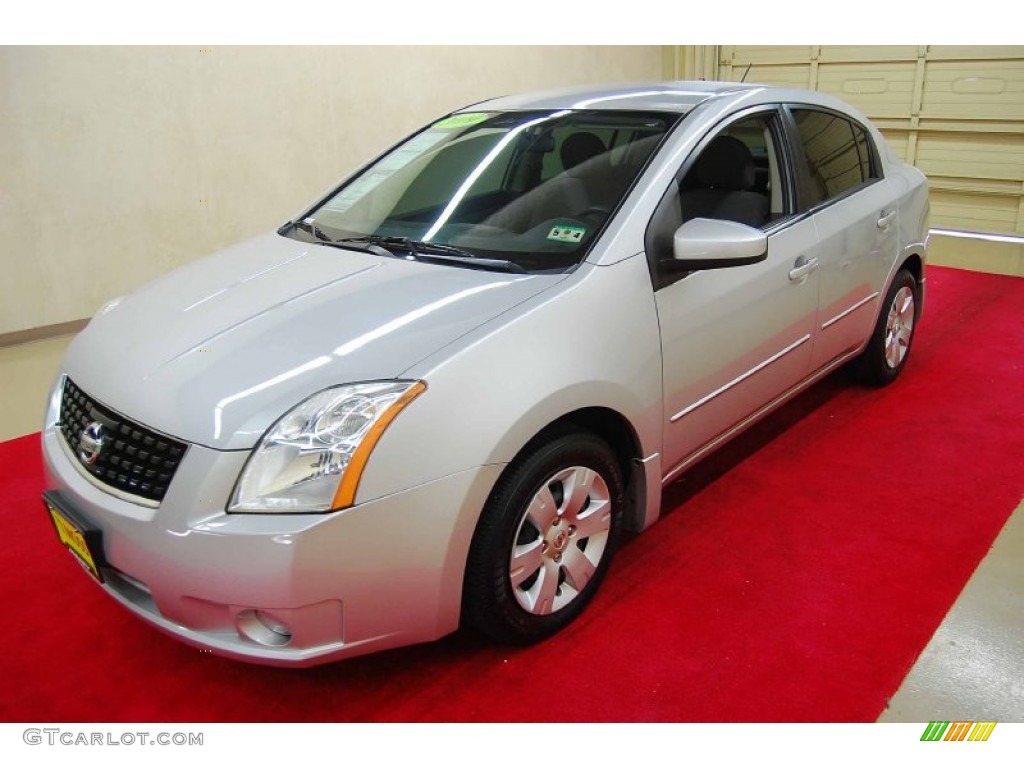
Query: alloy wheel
(899, 327)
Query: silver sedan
(440, 394)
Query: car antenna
(742, 79)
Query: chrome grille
(130, 457)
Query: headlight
(312, 458)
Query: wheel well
(916, 267)
(612, 427)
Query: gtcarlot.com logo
(959, 731)
(62, 737)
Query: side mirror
(715, 243)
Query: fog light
(262, 628)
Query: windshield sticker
(408, 152)
(567, 234)
(354, 191)
(463, 120)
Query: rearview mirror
(714, 244)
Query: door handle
(803, 268)
(885, 218)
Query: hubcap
(899, 327)
(560, 540)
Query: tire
(531, 571)
(889, 348)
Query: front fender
(592, 341)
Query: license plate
(73, 537)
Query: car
(439, 395)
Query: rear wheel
(887, 352)
(544, 540)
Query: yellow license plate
(74, 539)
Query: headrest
(726, 164)
(579, 148)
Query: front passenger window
(737, 176)
(721, 185)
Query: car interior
(574, 173)
(736, 177)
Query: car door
(854, 211)
(735, 339)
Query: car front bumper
(381, 574)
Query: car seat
(724, 175)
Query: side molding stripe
(854, 308)
(741, 378)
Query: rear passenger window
(838, 152)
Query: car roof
(680, 96)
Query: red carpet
(810, 564)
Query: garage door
(956, 112)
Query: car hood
(216, 351)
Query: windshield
(530, 188)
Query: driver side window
(736, 176)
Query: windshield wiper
(420, 249)
(370, 247)
(313, 229)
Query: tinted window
(838, 153)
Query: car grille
(130, 458)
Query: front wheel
(545, 539)
(889, 347)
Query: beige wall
(120, 163)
